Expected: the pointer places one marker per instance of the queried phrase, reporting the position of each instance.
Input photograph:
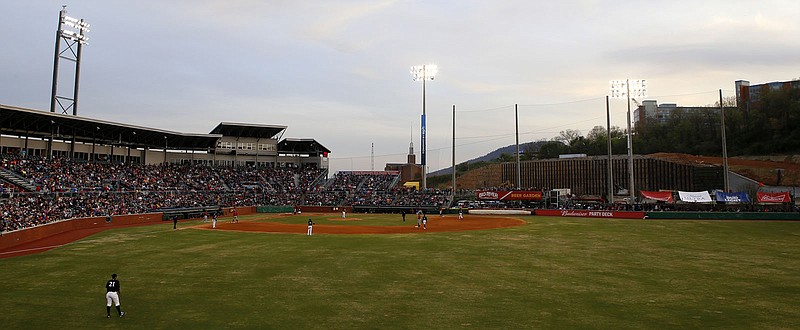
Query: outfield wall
(725, 215)
(788, 216)
(325, 209)
(498, 211)
(243, 210)
(14, 238)
(592, 214)
(274, 209)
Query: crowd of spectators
(66, 188)
(70, 189)
(378, 189)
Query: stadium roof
(302, 146)
(43, 124)
(249, 130)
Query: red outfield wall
(592, 214)
(12, 239)
(9, 240)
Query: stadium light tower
(621, 89)
(424, 73)
(73, 42)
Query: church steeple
(412, 159)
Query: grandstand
(55, 167)
(29, 132)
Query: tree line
(771, 127)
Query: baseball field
(540, 272)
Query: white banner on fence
(695, 196)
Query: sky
(339, 71)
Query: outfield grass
(549, 273)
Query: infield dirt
(351, 225)
(435, 224)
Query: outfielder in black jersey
(112, 296)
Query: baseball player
(112, 296)
(310, 226)
(424, 222)
(235, 215)
(419, 217)
(460, 213)
(214, 220)
(344, 213)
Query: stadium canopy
(303, 146)
(250, 130)
(42, 124)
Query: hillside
(763, 169)
(760, 168)
(511, 150)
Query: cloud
(333, 26)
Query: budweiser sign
(592, 214)
(774, 197)
(581, 213)
(488, 195)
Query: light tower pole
(622, 89)
(73, 42)
(424, 72)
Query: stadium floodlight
(627, 89)
(77, 24)
(424, 72)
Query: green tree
(552, 149)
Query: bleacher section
(63, 189)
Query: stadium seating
(65, 188)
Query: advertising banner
(663, 196)
(423, 148)
(515, 195)
(592, 214)
(735, 197)
(774, 197)
(695, 196)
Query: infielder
(310, 226)
(112, 296)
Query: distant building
(750, 96)
(410, 171)
(651, 111)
